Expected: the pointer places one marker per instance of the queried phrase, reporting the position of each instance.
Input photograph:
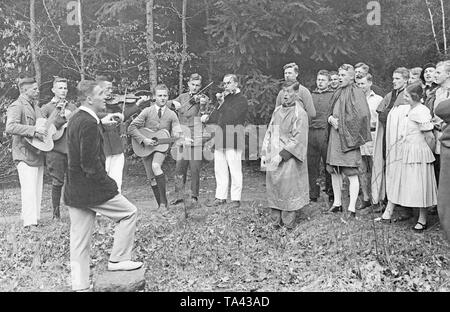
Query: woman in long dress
(284, 159)
(416, 184)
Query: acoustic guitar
(45, 145)
(60, 132)
(162, 138)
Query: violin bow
(199, 92)
(124, 102)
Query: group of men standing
(342, 123)
(358, 135)
(89, 158)
(331, 124)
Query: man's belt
(373, 129)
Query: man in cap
(21, 124)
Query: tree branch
(432, 26)
(59, 36)
(444, 33)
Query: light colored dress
(396, 127)
(288, 184)
(416, 186)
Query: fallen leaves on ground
(234, 249)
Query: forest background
(143, 42)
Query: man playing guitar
(21, 123)
(188, 106)
(156, 117)
(59, 110)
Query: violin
(129, 98)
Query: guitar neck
(167, 140)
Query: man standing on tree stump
(89, 189)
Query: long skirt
(415, 187)
(288, 186)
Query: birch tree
(34, 42)
(184, 46)
(152, 69)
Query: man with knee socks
(349, 120)
(156, 117)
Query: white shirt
(90, 112)
(373, 100)
(163, 109)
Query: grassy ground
(225, 249)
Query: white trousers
(31, 182)
(224, 159)
(114, 168)
(119, 209)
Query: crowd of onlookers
(394, 148)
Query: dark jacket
(232, 113)
(113, 143)
(443, 112)
(322, 103)
(354, 126)
(429, 100)
(87, 181)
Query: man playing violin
(56, 159)
(156, 117)
(21, 123)
(229, 141)
(188, 106)
(113, 144)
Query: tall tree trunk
(444, 31)
(122, 51)
(432, 26)
(33, 42)
(152, 70)
(82, 73)
(210, 58)
(184, 49)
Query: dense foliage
(252, 38)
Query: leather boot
(56, 199)
(155, 189)
(161, 181)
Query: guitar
(59, 132)
(47, 144)
(162, 137)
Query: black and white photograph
(225, 151)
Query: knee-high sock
(161, 181)
(56, 199)
(336, 181)
(353, 191)
(155, 189)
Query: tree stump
(120, 281)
